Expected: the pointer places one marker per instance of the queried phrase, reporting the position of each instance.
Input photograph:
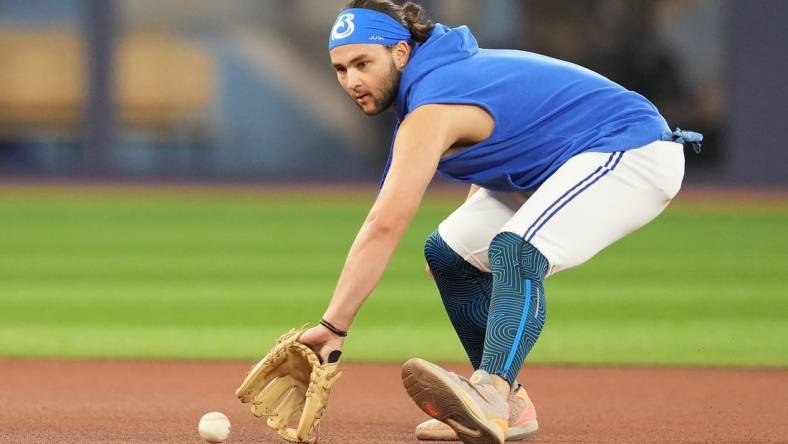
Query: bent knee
(509, 251)
(442, 258)
(437, 252)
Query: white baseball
(214, 427)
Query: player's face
(368, 74)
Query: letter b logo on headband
(360, 25)
(346, 21)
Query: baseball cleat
(522, 421)
(473, 408)
(522, 415)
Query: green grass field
(200, 273)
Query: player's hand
(322, 341)
(428, 271)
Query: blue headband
(361, 25)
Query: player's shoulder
(456, 122)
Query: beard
(385, 97)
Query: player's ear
(401, 54)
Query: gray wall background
(756, 151)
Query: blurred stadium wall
(242, 89)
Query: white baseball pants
(591, 201)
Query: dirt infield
(52, 401)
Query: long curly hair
(409, 15)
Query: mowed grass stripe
(220, 274)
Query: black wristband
(333, 329)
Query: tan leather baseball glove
(290, 380)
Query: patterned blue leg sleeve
(465, 291)
(517, 306)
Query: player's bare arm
(423, 137)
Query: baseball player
(561, 163)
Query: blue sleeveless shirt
(545, 110)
